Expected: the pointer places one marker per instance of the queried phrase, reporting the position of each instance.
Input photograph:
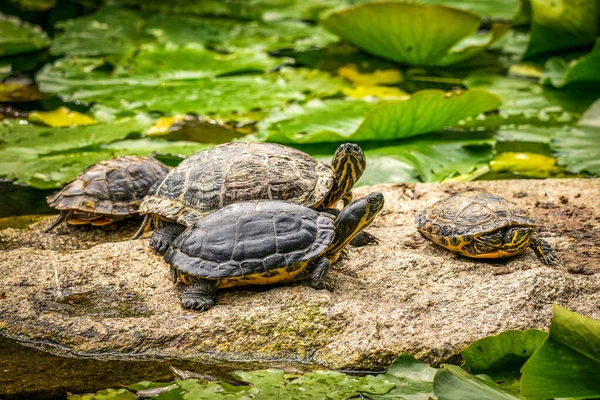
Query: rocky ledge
(72, 291)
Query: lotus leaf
(453, 383)
(414, 34)
(562, 24)
(337, 120)
(559, 73)
(413, 379)
(578, 148)
(110, 32)
(20, 37)
(567, 363)
(495, 9)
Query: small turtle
(233, 172)
(106, 192)
(482, 225)
(263, 242)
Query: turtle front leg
(318, 276)
(199, 296)
(163, 237)
(61, 217)
(544, 252)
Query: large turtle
(482, 225)
(233, 172)
(107, 191)
(263, 242)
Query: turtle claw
(321, 284)
(363, 239)
(195, 303)
(158, 244)
(545, 253)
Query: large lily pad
(110, 32)
(338, 120)
(20, 37)
(221, 96)
(578, 148)
(567, 363)
(564, 24)
(559, 73)
(414, 34)
(413, 379)
(494, 9)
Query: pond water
(29, 373)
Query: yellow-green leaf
(60, 118)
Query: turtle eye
(372, 200)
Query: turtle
(107, 191)
(482, 225)
(263, 242)
(233, 172)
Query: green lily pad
(34, 5)
(20, 37)
(338, 120)
(108, 394)
(494, 9)
(77, 80)
(453, 383)
(61, 117)
(559, 73)
(110, 32)
(505, 352)
(567, 363)
(413, 380)
(231, 35)
(394, 30)
(559, 25)
(578, 148)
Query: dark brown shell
(470, 213)
(235, 172)
(111, 187)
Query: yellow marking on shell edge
(494, 254)
(259, 278)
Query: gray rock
(407, 294)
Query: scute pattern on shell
(470, 213)
(235, 172)
(112, 187)
(251, 237)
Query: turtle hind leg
(162, 238)
(318, 276)
(544, 252)
(200, 295)
(61, 217)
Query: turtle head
(354, 218)
(348, 165)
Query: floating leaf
(60, 118)
(196, 129)
(337, 120)
(495, 9)
(559, 73)
(110, 32)
(567, 363)
(454, 383)
(578, 148)
(19, 91)
(394, 30)
(34, 5)
(20, 37)
(72, 81)
(563, 24)
(413, 379)
(378, 77)
(528, 165)
(380, 92)
(107, 394)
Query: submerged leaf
(194, 129)
(60, 118)
(567, 363)
(20, 37)
(394, 30)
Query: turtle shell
(470, 214)
(235, 172)
(112, 187)
(251, 243)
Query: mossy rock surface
(94, 292)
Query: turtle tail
(61, 217)
(142, 227)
